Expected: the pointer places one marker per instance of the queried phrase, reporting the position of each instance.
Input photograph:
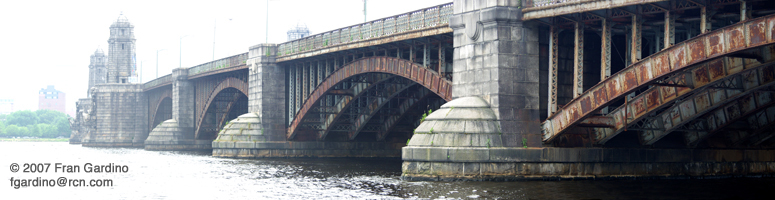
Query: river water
(197, 175)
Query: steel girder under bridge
(371, 94)
(720, 81)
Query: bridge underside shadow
(376, 107)
(227, 105)
(366, 108)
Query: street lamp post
(157, 61)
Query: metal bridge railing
(223, 63)
(158, 81)
(544, 3)
(419, 19)
(227, 62)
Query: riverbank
(34, 139)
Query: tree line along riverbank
(40, 125)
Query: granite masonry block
(468, 154)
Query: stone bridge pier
(178, 133)
(262, 127)
(119, 118)
(495, 86)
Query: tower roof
(99, 52)
(298, 32)
(122, 21)
(122, 18)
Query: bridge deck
(536, 9)
(228, 64)
(416, 24)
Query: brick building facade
(51, 99)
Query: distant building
(297, 33)
(51, 99)
(6, 106)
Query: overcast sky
(49, 42)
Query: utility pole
(364, 10)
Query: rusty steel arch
(385, 65)
(377, 104)
(403, 109)
(716, 101)
(753, 107)
(652, 109)
(379, 88)
(155, 101)
(226, 83)
(759, 135)
(653, 70)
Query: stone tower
(299, 32)
(121, 64)
(98, 70)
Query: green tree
(16, 131)
(50, 116)
(2, 129)
(22, 118)
(10, 130)
(24, 131)
(41, 123)
(47, 131)
(63, 127)
(33, 131)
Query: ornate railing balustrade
(224, 63)
(416, 20)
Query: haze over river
(197, 175)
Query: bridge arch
(735, 41)
(160, 107)
(754, 109)
(378, 78)
(656, 109)
(229, 98)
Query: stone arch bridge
(675, 88)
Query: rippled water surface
(197, 175)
